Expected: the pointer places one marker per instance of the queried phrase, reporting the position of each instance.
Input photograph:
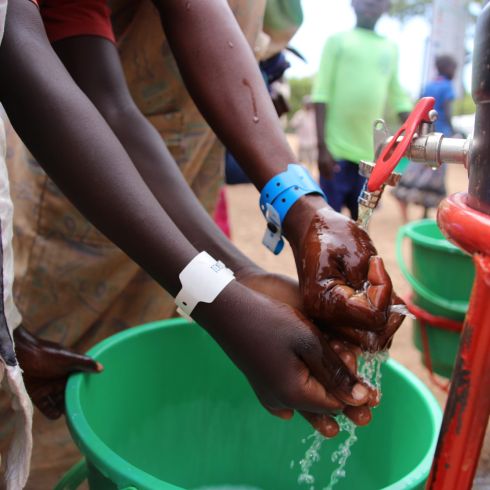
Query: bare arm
(320, 115)
(95, 66)
(71, 140)
(221, 74)
(288, 363)
(326, 162)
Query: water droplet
(291, 465)
(370, 371)
(256, 119)
(231, 44)
(188, 6)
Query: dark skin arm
(46, 366)
(326, 162)
(225, 96)
(289, 364)
(94, 64)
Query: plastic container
(441, 277)
(171, 412)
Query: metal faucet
(417, 141)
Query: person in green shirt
(357, 79)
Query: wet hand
(276, 286)
(344, 284)
(287, 360)
(46, 367)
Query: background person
(421, 185)
(357, 79)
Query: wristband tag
(273, 232)
(278, 196)
(202, 279)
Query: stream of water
(370, 372)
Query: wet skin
(288, 361)
(345, 288)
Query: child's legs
(355, 183)
(337, 188)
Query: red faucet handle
(393, 152)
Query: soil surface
(247, 226)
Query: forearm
(231, 94)
(320, 115)
(79, 151)
(222, 76)
(162, 175)
(95, 66)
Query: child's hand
(343, 282)
(287, 360)
(46, 367)
(276, 286)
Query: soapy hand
(286, 289)
(46, 367)
(287, 360)
(345, 287)
(360, 415)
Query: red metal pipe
(435, 321)
(468, 406)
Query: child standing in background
(421, 185)
(357, 79)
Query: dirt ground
(247, 226)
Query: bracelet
(277, 198)
(202, 279)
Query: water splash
(402, 310)
(341, 455)
(370, 372)
(370, 368)
(311, 456)
(364, 216)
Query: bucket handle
(76, 475)
(458, 306)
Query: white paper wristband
(202, 279)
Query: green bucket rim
(123, 473)
(411, 230)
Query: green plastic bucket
(171, 412)
(441, 277)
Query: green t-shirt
(357, 79)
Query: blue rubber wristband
(277, 198)
(294, 176)
(283, 190)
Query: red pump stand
(468, 406)
(465, 220)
